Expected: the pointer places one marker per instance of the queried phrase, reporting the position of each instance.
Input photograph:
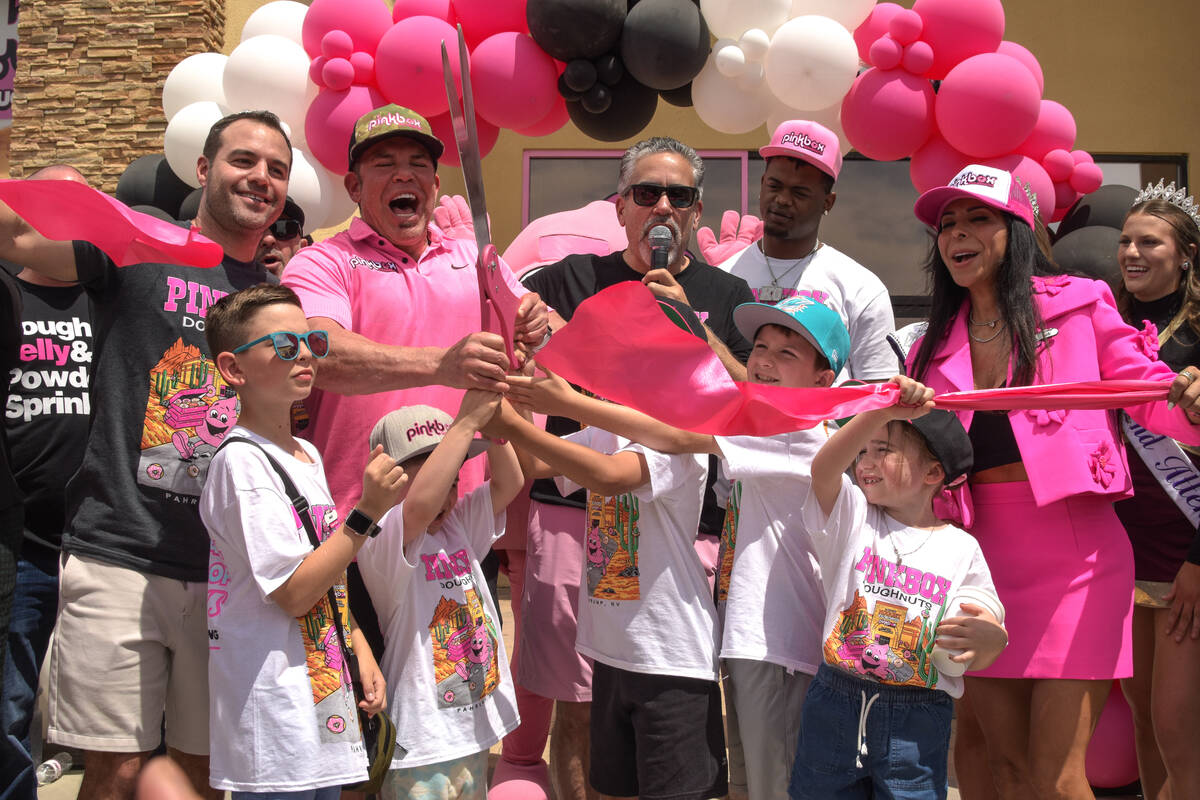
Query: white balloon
(310, 187)
(754, 44)
(724, 106)
(731, 18)
(281, 17)
(752, 78)
(829, 117)
(183, 141)
(849, 13)
(271, 72)
(811, 63)
(340, 204)
(195, 79)
(729, 58)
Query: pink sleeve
(320, 282)
(518, 289)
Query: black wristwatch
(360, 523)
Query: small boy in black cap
(898, 582)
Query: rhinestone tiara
(1032, 195)
(1176, 197)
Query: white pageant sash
(1169, 464)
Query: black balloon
(1090, 251)
(597, 99)
(568, 29)
(1108, 206)
(609, 69)
(149, 181)
(579, 75)
(664, 42)
(633, 106)
(681, 97)
(567, 93)
(190, 206)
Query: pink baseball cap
(808, 141)
(995, 188)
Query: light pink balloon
(364, 20)
(918, 57)
(1058, 165)
(330, 121)
(905, 27)
(553, 121)
(1030, 172)
(1054, 130)
(1025, 57)
(959, 29)
(886, 53)
(935, 164)
(514, 80)
(875, 25)
(987, 105)
(442, 9)
(443, 129)
(482, 19)
(408, 64)
(1087, 177)
(888, 114)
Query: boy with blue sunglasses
(283, 715)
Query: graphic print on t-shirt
(611, 547)
(884, 644)
(729, 541)
(465, 665)
(188, 413)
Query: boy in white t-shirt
(452, 694)
(901, 585)
(282, 711)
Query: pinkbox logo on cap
(807, 141)
(995, 188)
(969, 178)
(801, 139)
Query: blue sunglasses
(287, 343)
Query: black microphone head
(659, 236)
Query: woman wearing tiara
(1044, 482)
(1158, 251)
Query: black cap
(948, 442)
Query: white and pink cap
(808, 141)
(995, 188)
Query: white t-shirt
(644, 600)
(282, 715)
(887, 587)
(833, 278)
(450, 691)
(775, 607)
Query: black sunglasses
(285, 229)
(679, 196)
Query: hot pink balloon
(553, 121)
(1064, 196)
(935, 164)
(442, 9)
(886, 53)
(364, 20)
(888, 114)
(905, 27)
(988, 105)
(408, 64)
(337, 74)
(1111, 758)
(959, 29)
(1054, 130)
(482, 19)
(330, 120)
(1087, 177)
(1082, 157)
(444, 130)
(514, 80)
(337, 44)
(1030, 172)
(1058, 165)
(918, 57)
(364, 68)
(1025, 57)
(875, 25)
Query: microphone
(660, 244)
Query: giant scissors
(497, 304)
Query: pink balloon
(1058, 165)
(330, 121)
(1082, 156)
(408, 64)
(514, 80)
(482, 19)
(959, 29)
(886, 53)
(888, 114)
(1054, 130)
(905, 27)
(364, 68)
(1087, 177)
(444, 130)
(442, 9)
(1025, 57)
(314, 70)
(1064, 195)
(557, 118)
(935, 164)
(337, 44)
(1030, 172)
(364, 20)
(1111, 758)
(1059, 214)
(918, 57)
(337, 74)
(988, 105)
(875, 25)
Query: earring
(1185, 265)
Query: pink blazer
(1072, 452)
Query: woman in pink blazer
(1044, 481)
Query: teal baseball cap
(816, 322)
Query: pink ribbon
(66, 210)
(621, 347)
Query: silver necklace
(985, 340)
(774, 292)
(900, 556)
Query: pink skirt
(1064, 573)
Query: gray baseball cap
(414, 431)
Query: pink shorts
(1064, 573)
(548, 664)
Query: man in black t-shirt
(660, 183)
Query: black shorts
(656, 737)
